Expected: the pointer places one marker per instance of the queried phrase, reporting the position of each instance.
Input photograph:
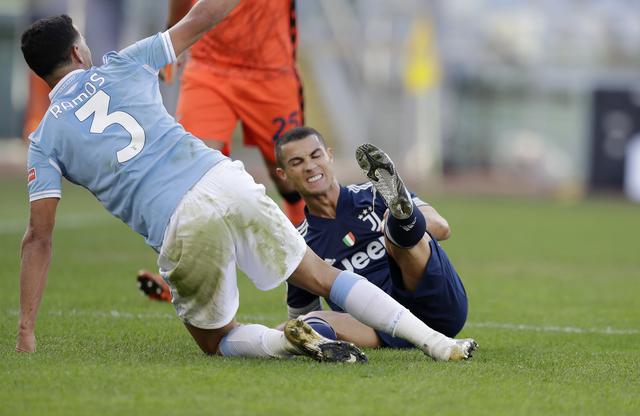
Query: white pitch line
(491, 325)
(103, 314)
(13, 226)
(552, 328)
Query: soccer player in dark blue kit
(378, 230)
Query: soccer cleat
(460, 350)
(153, 286)
(463, 349)
(385, 179)
(310, 343)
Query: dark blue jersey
(352, 241)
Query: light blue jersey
(108, 131)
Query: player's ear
(281, 174)
(330, 153)
(76, 55)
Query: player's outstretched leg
(153, 286)
(383, 175)
(314, 345)
(373, 307)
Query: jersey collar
(65, 80)
(343, 202)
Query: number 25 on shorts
(282, 122)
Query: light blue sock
(366, 302)
(342, 287)
(373, 307)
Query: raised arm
(36, 255)
(202, 17)
(177, 10)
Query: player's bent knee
(326, 315)
(209, 339)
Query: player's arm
(177, 10)
(437, 225)
(36, 255)
(202, 17)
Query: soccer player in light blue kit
(107, 130)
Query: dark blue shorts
(440, 300)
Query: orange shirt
(258, 36)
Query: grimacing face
(308, 166)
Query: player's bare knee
(313, 314)
(209, 339)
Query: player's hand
(26, 341)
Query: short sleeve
(43, 175)
(154, 51)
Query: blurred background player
(244, 70)
(37, 104)
(351, 228)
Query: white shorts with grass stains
(225, 220)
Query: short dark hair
(297, 133)
(47, 43)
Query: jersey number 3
(98, 104)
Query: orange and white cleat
(154, 286)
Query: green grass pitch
(553, 292)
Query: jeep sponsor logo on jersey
(375, 250)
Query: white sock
(255, 340)
(373, 307)
(418, 333)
